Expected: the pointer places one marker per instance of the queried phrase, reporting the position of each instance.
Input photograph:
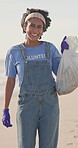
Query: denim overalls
(38, 106)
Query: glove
(64, 45)
(6, 118)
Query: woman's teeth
(34, 34)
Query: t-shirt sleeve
(55, 58)
(10, 68)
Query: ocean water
(3, 81)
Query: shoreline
(68, 128)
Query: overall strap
(22, 52)
(47, 50)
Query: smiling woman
(34, 62)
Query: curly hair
(32, 10)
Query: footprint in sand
(76, 136)
(76, 121)
(70, 143)
(71, 131)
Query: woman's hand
(6, 118)
(64, 45)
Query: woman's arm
(10, 83)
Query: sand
(68, 136)
(68, 128)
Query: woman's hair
(32, 10)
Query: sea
(3, 81)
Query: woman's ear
(24, 27)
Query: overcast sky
(64, 15)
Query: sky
(64, 16)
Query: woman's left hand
(64, 45)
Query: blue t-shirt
(14, 62)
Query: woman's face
(34, 29)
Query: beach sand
(68, 128)
(68, 135)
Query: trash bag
(67, 75)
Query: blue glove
(6, 118)
(64, 45)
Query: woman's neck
(32, 43)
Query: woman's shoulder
(13, 50)
(51, 45)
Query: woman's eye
(39, 26)
(32, 25)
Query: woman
(34, 61)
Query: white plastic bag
(67, 75)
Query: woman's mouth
(35, 35)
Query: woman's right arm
(10, 68)
(10, 83)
